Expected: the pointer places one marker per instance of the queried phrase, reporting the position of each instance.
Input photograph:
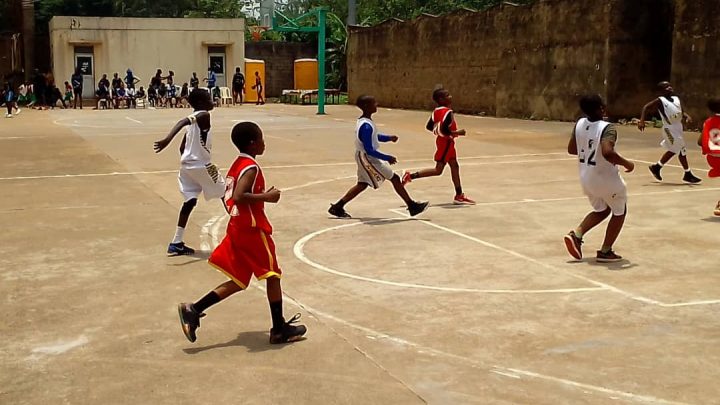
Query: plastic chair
(225, 95)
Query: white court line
(535, 261)
(133, 120)
(514, 373)
(666, 165)
(299, 251)
(299, 166)
(551, 267)
(504, 371)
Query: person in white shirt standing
(197, 172)
(593, 141)
(672, 114)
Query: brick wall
(696, 55)
(529, 61)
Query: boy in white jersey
(373, 165)
(672, 114)
(197, 173)
(593, 141)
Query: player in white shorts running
(373, 165)
(197, 172)
(672, 114)
(593, 141)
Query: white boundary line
(666, 165)
(61, 176)
(133, 120)
(514, 373)
(504, 371)
(299, 251)
(614, 289)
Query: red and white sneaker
(462, 200)
(406, 178)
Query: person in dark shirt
(238, 86)
(76, 81)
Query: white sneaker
(8, 115)
(18, 111)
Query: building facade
(107, 45)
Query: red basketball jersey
(246, 216)
(711, 136)
(438, 116)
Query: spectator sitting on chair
(140, 93)
(116, 82)
(172, 91)
(152, 96)
(162, 95)
(121, 96)
(238, 86)
(103, 91)
(194, 81)
(131, 94)
(77, 87)
(156, 81)
(184, 94)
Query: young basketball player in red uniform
(442, 124)
(710, 142)
(247, 248)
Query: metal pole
(321, 61)
(352, 12)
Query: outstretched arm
(653, 105)
(163, 143)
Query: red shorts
(445, 149)
(243, 254)
(714, 162)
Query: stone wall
(279, 60)
(529, 61)
(696, 55)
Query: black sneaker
(609, 257)
(189, 320)
(338, 211)
(691, 179)
(179, 249)
(655, 170)
(573, 245)
(416, 208)
(289, 333)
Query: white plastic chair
(225, 95)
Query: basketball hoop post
(283, 23)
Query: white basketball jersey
(595, 170)
(197, 145)
(671, 112)
(358, 142)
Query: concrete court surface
(469, 305)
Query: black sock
(415, 175)
(458, 190)
(276, 311)
(206, 302)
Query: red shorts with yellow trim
(243, 254)
(445, 149)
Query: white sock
(687, 171)
(659, 163)
(179, 233)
